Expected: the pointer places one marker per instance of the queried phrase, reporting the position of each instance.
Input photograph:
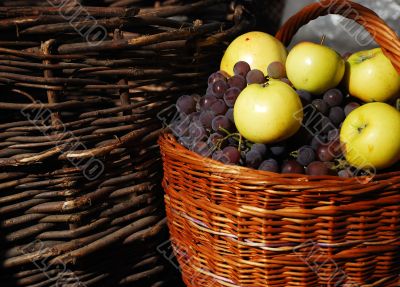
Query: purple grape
(253, 159)
(278, 149)
(230, 96)
(219, 88)
(333, 135)
(318, 168)
(324, 153)
(209, 91)
(229, 115)
(306, 155)
(292, 166)
(219, 107)
(350, 107)
(346, 173)
(180, 128)
(326, 125)
(195, 116)
(206, 118)
(237, 82)
(317, 141)
(202, 149)
(229, 155)
(215, 139)
(329, 151)
(336, 115)
(270, 165)
(196, 131)
(217, 76)
(186, 104)
(220, 156)
(206, 102)
(187, 141)
(335, 148)
(241, 68)
(333, 97)
(261, 148)
(232, 154)
(221, 122)
(320, 106)
(276, 70)
(304, 96)
(255, 77)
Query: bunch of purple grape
(206, 126)
(320, 151)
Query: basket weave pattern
(67, 103)
(234, 226)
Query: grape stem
(266, 84)
(236, 136)
(240, 142)
(341, 164)
(323, 39)
(295, 154)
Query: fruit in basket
(371, 77)
(370, 136)
(265, 113)
(255, 76)
(292, 166)
(333, 97)
(314, 68)
(305, 155)
(270, 165)
(241, 68)
(258, 49)
(350, 107)
(268, 115)
(276, 70)
(319, 168)
(186, 104)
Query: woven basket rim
(168, 142)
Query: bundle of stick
(85, 92)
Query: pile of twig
(80, 195)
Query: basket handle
(379, 30)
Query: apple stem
(323, 39)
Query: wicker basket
(234, 226)
(80, 171)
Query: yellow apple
(370, 136)
(371, 77)
(268, 113)
(314, 68)
(258, 49)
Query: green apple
(371, 77)
(314, 68)
(268, 113)
(258, 49)
(370, 136)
